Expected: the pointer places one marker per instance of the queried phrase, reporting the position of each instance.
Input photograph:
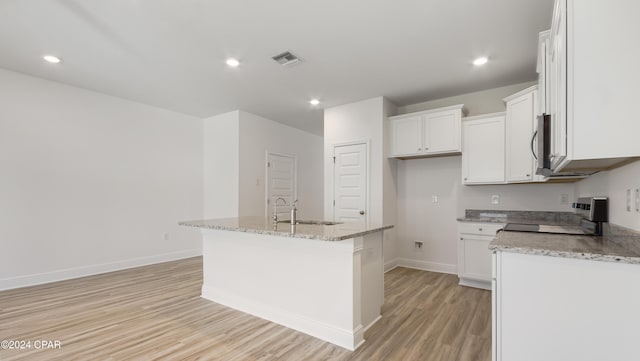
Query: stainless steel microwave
(543, 155)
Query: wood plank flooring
(155, 313)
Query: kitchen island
(323, 280)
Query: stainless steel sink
(323, 223)
(320, 223)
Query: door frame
(267, 205)
(367, 195)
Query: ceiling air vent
(286, 59)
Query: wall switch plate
(628, 200)
(495, 199)
(564, 198)
(434, 199)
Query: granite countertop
(616, 245)
(262, 225)
(530, 217)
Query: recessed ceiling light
(233, 62)
(314, 102)
(480, 61)
(52, 59)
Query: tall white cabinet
(558, 84)
(593, 80)
(521, 137)
(543, 69)
(483, 149)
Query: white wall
(259, 135)
(419, 219)
(614, 184)
(389, 190)
(235, 146)
(360, 121)
(364, 121)
(89, 183)
(221, 137)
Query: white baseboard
(427, 266)
(372, 323)
(389, 265)
(349, 339)
(70, 273)
(485, 285)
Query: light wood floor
(155, 312)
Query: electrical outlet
(434, 199)
(495, 199)
(628, 200)
(564, 198)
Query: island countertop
(262, 225)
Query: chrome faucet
(275, 209)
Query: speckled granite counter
(261, 225)
(533, 217)
(617, 245)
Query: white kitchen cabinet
(474, 257)
(407, 135)
(558, 84)
(593, 74)
(483, 149)
(431, 132)
(542, 68)
(520, 143)
(557, 309)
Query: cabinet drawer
(483, 229)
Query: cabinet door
(543, 73)
(519, 128)
(407, 136)
(474, 258)
(442, 132)
(558, 85)
(483, 151)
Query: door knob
(361, 212)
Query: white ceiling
(171, 53)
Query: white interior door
(281, 183)
(350, 183)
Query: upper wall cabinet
(422, 134)
(542, 68)
(483, 149)
(593, 84)
(520, 139)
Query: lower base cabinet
(474, 257)
(559, 309)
